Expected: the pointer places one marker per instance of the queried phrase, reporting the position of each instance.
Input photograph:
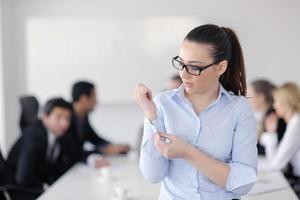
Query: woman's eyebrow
(196, 61)
(193, 61)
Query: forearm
(153, 166)
(217, 171)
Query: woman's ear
(221, 67)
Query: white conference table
(82, 182)
(270, 185)
(85, 183)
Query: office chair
(29, 111)
(10, 191)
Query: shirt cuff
(150, 149)
(240, 179)
(156, 125)
(148, 144)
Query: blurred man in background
(42, 153)
(84, 102)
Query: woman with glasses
(200, 139)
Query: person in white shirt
(261, 100)
(287, 106)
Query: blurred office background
(46, 45)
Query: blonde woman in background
(261, 100)
(287, 106)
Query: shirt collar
(51, 137)
(179, 92)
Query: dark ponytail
(225, 46)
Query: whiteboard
(115, 54)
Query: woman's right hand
(143, 97)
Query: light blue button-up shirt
(225, 130)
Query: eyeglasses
(191, 69)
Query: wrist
(151, 117)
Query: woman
(287, 106)
(261, 101)
(200, 139)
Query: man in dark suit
(44, 151)
(84, 101)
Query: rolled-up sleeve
(243, 164)
(152, 164)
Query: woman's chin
(189, 90)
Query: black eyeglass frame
(200, 69)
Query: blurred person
(287, 106)
(261, 100)
(42, 153)
(45, 150)
(286, 155)
(84, 102)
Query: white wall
(2, 124)
(115, 53)
(120, 43)
(268, 31)
(13, 70)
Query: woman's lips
(187, 85)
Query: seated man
(84, 101)
(43, 153)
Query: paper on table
(269, 182)
(264, 165)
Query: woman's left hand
(174, 148)
(271, 123)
